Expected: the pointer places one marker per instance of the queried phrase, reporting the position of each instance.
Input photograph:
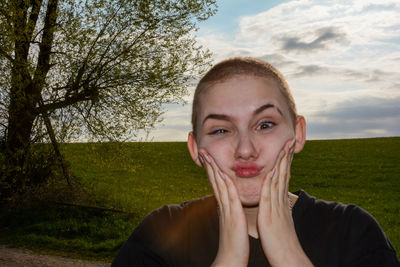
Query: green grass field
(139, 177)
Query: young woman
(245, 133)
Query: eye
(218, 132)
(265, 125)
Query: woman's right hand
(233, 247)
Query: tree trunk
(20, 123)
(25, 91)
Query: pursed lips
(246, 169)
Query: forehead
(242, 94)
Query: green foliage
(91, 70)
(40, 167)
(68, 231)
(102, 68)
(365, 172)
(139, 177)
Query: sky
(340, 58)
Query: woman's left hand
(275, 223)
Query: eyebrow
(228, 118)
(266, 106)
(217, 117)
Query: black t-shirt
(331, 234)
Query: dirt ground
(10, 257)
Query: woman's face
(243, 124)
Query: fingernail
(292, 142)
(222, 175)
(201, 158)
(273, 171)
(207, 158)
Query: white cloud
(330, 52)
(357, 117)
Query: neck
(251, 216)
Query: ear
(193, 149)
(300, 132)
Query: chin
(250, 203)
(250, 194)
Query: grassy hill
(139, 177)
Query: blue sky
(230, 12)
(341, 60)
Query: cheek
(271, 146)
(221, 151)
(270, 152)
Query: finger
(291, 153)
(293, 146)
(233, 193)
(283, 178)
(275, 180)
(219, 181)
(211, 178)
(284, 171)
(286, 177)
(210, 173)
(265, 199)
(219, 187)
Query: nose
(245, 148)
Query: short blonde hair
(240, 66)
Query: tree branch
(43, 64)
(77, 82)
(36, 4)
(50, 131)
(19, 12)
(100, 66)
(6, 55)
(82, 96)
